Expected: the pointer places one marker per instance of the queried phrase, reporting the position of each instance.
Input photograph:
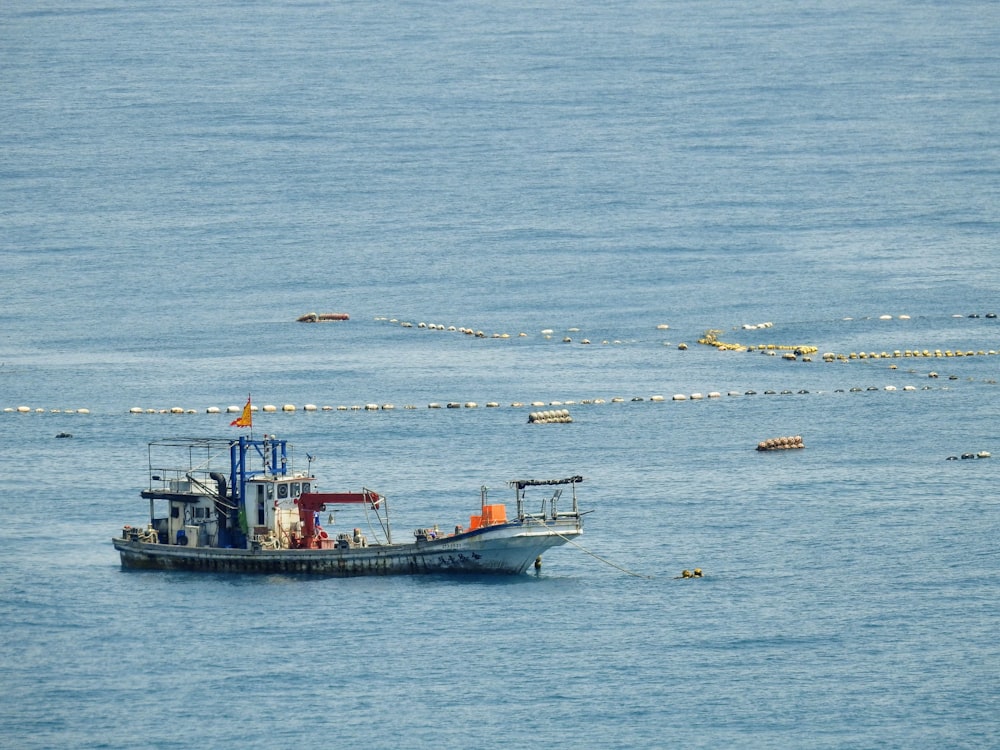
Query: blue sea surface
(586, 190)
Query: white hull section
(507, 548)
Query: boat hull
(504, 549)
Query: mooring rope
(596, 556)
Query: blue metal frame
(239, 472)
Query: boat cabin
(251, 495)
(258, 502)
(189, 512)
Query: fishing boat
(238, 506)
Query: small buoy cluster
(797, 349)
(711, 338)
(553, 416)
(781, 443)
(980, 454)
(321, 317)
(693, 396)
(696, 573)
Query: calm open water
(179, 181)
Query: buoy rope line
(470, 405)
(598, 557)
(711, 338)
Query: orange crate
(494, 514)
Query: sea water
(180, 181)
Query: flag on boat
(245, 419)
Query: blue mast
(274, 457)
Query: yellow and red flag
(245, 419)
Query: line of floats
(793, 352)
(535, 417)
(548, 416)
(711, 338)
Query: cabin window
(270, 492)
(260, 513)
(282, 490)
(305, 488)
(175, 511)
(260, 493)
(295, 489)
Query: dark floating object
(322, 317)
